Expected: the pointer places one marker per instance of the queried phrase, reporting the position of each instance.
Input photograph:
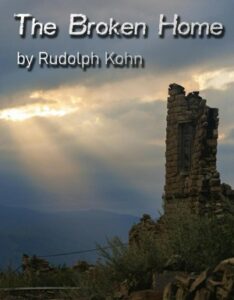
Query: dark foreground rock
(216, 284)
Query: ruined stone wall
(191, 148)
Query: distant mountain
(32, 232)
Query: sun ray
(26, 112)
(41, 156)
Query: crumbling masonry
(191, 174)
(191, 148)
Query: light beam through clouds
(89, 142)
(42, 159)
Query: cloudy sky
(73, 140)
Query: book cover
(116, 148)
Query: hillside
(27, 231)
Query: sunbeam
(42, 157)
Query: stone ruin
(191, 172)
(191, 149)
(192, 177)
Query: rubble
(35, 264)
(217, 284)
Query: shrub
(134, 264)
(200, 240)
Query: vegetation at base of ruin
(129, 267)
(187, 242)
(201, 241)
(61, 276)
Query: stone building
(191, 148)
(191, 151)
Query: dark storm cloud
(162, 55)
